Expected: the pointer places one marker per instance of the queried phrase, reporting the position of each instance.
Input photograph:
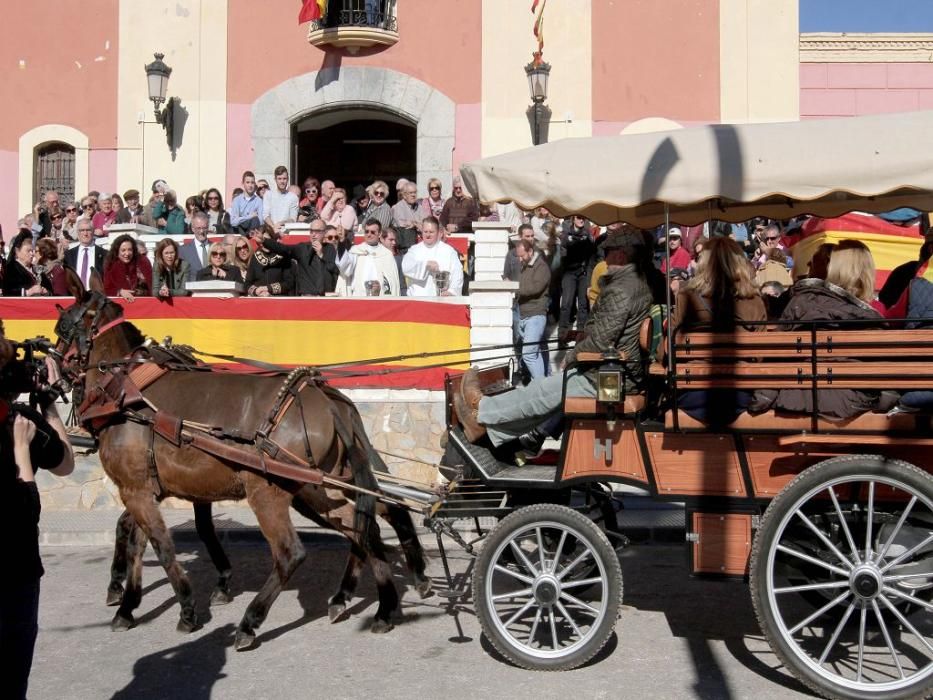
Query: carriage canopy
(729, 172)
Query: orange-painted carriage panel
(723, 543)
(695, 464)
(595, 449)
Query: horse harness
(119, 395)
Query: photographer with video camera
(29, 440)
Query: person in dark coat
(19, 280)
(316, 261)
(579, 253)
(845, 294)
(268, 273)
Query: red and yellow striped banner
(292, 332)
(890, 245)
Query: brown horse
(319, 423)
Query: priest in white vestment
(423, 261)
(369, 261)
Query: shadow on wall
(176, 116)
(329, 71)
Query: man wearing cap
(680, 258)
(130, 213)
(614, 325)
(460, 211)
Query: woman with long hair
(242, 252)
(721, 297)
(722, 293)
(170, 272)
(847, 293)
(126, 273)
(218, 218)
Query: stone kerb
(430, 110)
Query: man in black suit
(85, 256)
(317, 261)
(198, 251)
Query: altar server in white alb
(424, 261)
(368, 268)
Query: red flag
(311, 10)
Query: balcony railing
(355, 24)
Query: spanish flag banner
(537, 8)
(890, 245)
(294, 332)
(311, 10)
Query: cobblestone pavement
(677, 637)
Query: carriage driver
(613, 325)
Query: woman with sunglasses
(379, 208)
(310, 192)
(433, 204)
(218, 218)
(218, 269)
(242, 252)
(170, 271)
(70, 222)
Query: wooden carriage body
(726, 477)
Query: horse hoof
(221, 597)
(423, 587)
(188, 625)
(114, 596)
(381, 627)
(244, 640)
(337, 612)
(121, 623)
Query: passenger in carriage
(721, 298)
(614, 324)
(845, 294)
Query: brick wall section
(851, 89)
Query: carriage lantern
(609, 384)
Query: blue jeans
(531, 331)
(513, 413)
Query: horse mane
(111, 311)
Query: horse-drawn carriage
(832, 523)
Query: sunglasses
(213, 199)
(330, 238)
(769, 239)
(379, 194)
(70, 210)
(87, 206)
(311, 189)
(56, 216)
(218, 255)
(434, 188)
(242, 247)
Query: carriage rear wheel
(841, 578)
(532, 603)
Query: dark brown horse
(319, 423)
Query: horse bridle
(75, 337)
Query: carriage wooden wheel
(532, 601)
(841, 574)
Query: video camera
(29, 375)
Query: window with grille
(55, 170)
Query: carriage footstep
(451, 594)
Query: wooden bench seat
(771, 420)
(764, 345)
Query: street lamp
(157, 74)
(539, 114)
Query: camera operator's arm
(50, 413)
(24, 430)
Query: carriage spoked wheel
(842, 574)
(532, 603)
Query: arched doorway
(354, 146)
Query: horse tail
(360, 452)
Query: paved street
(676, 638)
